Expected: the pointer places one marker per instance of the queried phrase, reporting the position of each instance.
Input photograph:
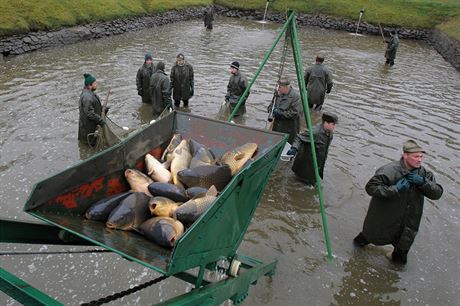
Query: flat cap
(329, 117)
(411, 146)
(284, 81)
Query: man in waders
(235, 88)
(208, 18)
(318, 81)
(301, 148)
(90, 111)
(143, 79)
(392, 47)
(398, 190)
(182, 83)
(161, 90)
(286, 109)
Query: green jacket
(393, 45)
(303, 161)
(143, 82)
(318, 81)
(290, 108)
(394, 217)
(161, 94)
(182, 81)
(90, 113)
(235, 88)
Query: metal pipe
(303, 95)
(267, 55)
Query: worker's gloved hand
(102, 122)
(227, 98)
(106, 109)
(277, 113)
(415, 178)
(292, 151)
(402, 185)
(192, 91)
(139, 92)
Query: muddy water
(379, 108)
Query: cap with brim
(284, 81)
(329, 117)
(411, 146)
(180, 56)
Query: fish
(191, 210)
(175, 141)
(195, 146)
(195, 191)
(164, 231)
(131, 212)
(202, 157)
(101, 210)
(162, 207)
(156, 170)
(167, 190)
(206, 176)
(238, 157)
(138, 181)
(181, 160)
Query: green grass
(21, 16)
(403, 13)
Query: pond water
(378, 108)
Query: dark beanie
(89, 79)
(180, 56)
(161, 66)
(235, 64)
(148, 56)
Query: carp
(195, 191)
(156, 170)
(201, 157)
(206, 176)
(181, 160)
(237, 157)
(101, 210)
(162, 207)
(131, 212)
(175, 141)
(191, 210)
(138, 181)
(163, 231)
(167, 190)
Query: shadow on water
(379, 107)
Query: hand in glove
(402, 185)
(277, 113)
(192, 91)
(415, 178)
(139, 92)
(227, 98)
(292, 151)
(106, 109)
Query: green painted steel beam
(234, 288)
(23, 292)
(261, 66)
(304, 97)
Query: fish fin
(167, 164)
(239, 156)
(212, 191)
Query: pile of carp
(176, 190)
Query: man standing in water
(236, 87)
(286, 109)
(398, 190)
(208, 18)
(301, 148)
(161, 93)
(90, 110)
(182, 83)
(143, 79)
(392, 46)
(318, 81)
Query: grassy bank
(21, 16)
(406, 13)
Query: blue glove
(277, 113)
(292, 151)
(415, 178)
(402, 185)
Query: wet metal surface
(378, 108)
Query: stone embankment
(14, 45)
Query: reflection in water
(378, 107)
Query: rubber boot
(360, 241)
